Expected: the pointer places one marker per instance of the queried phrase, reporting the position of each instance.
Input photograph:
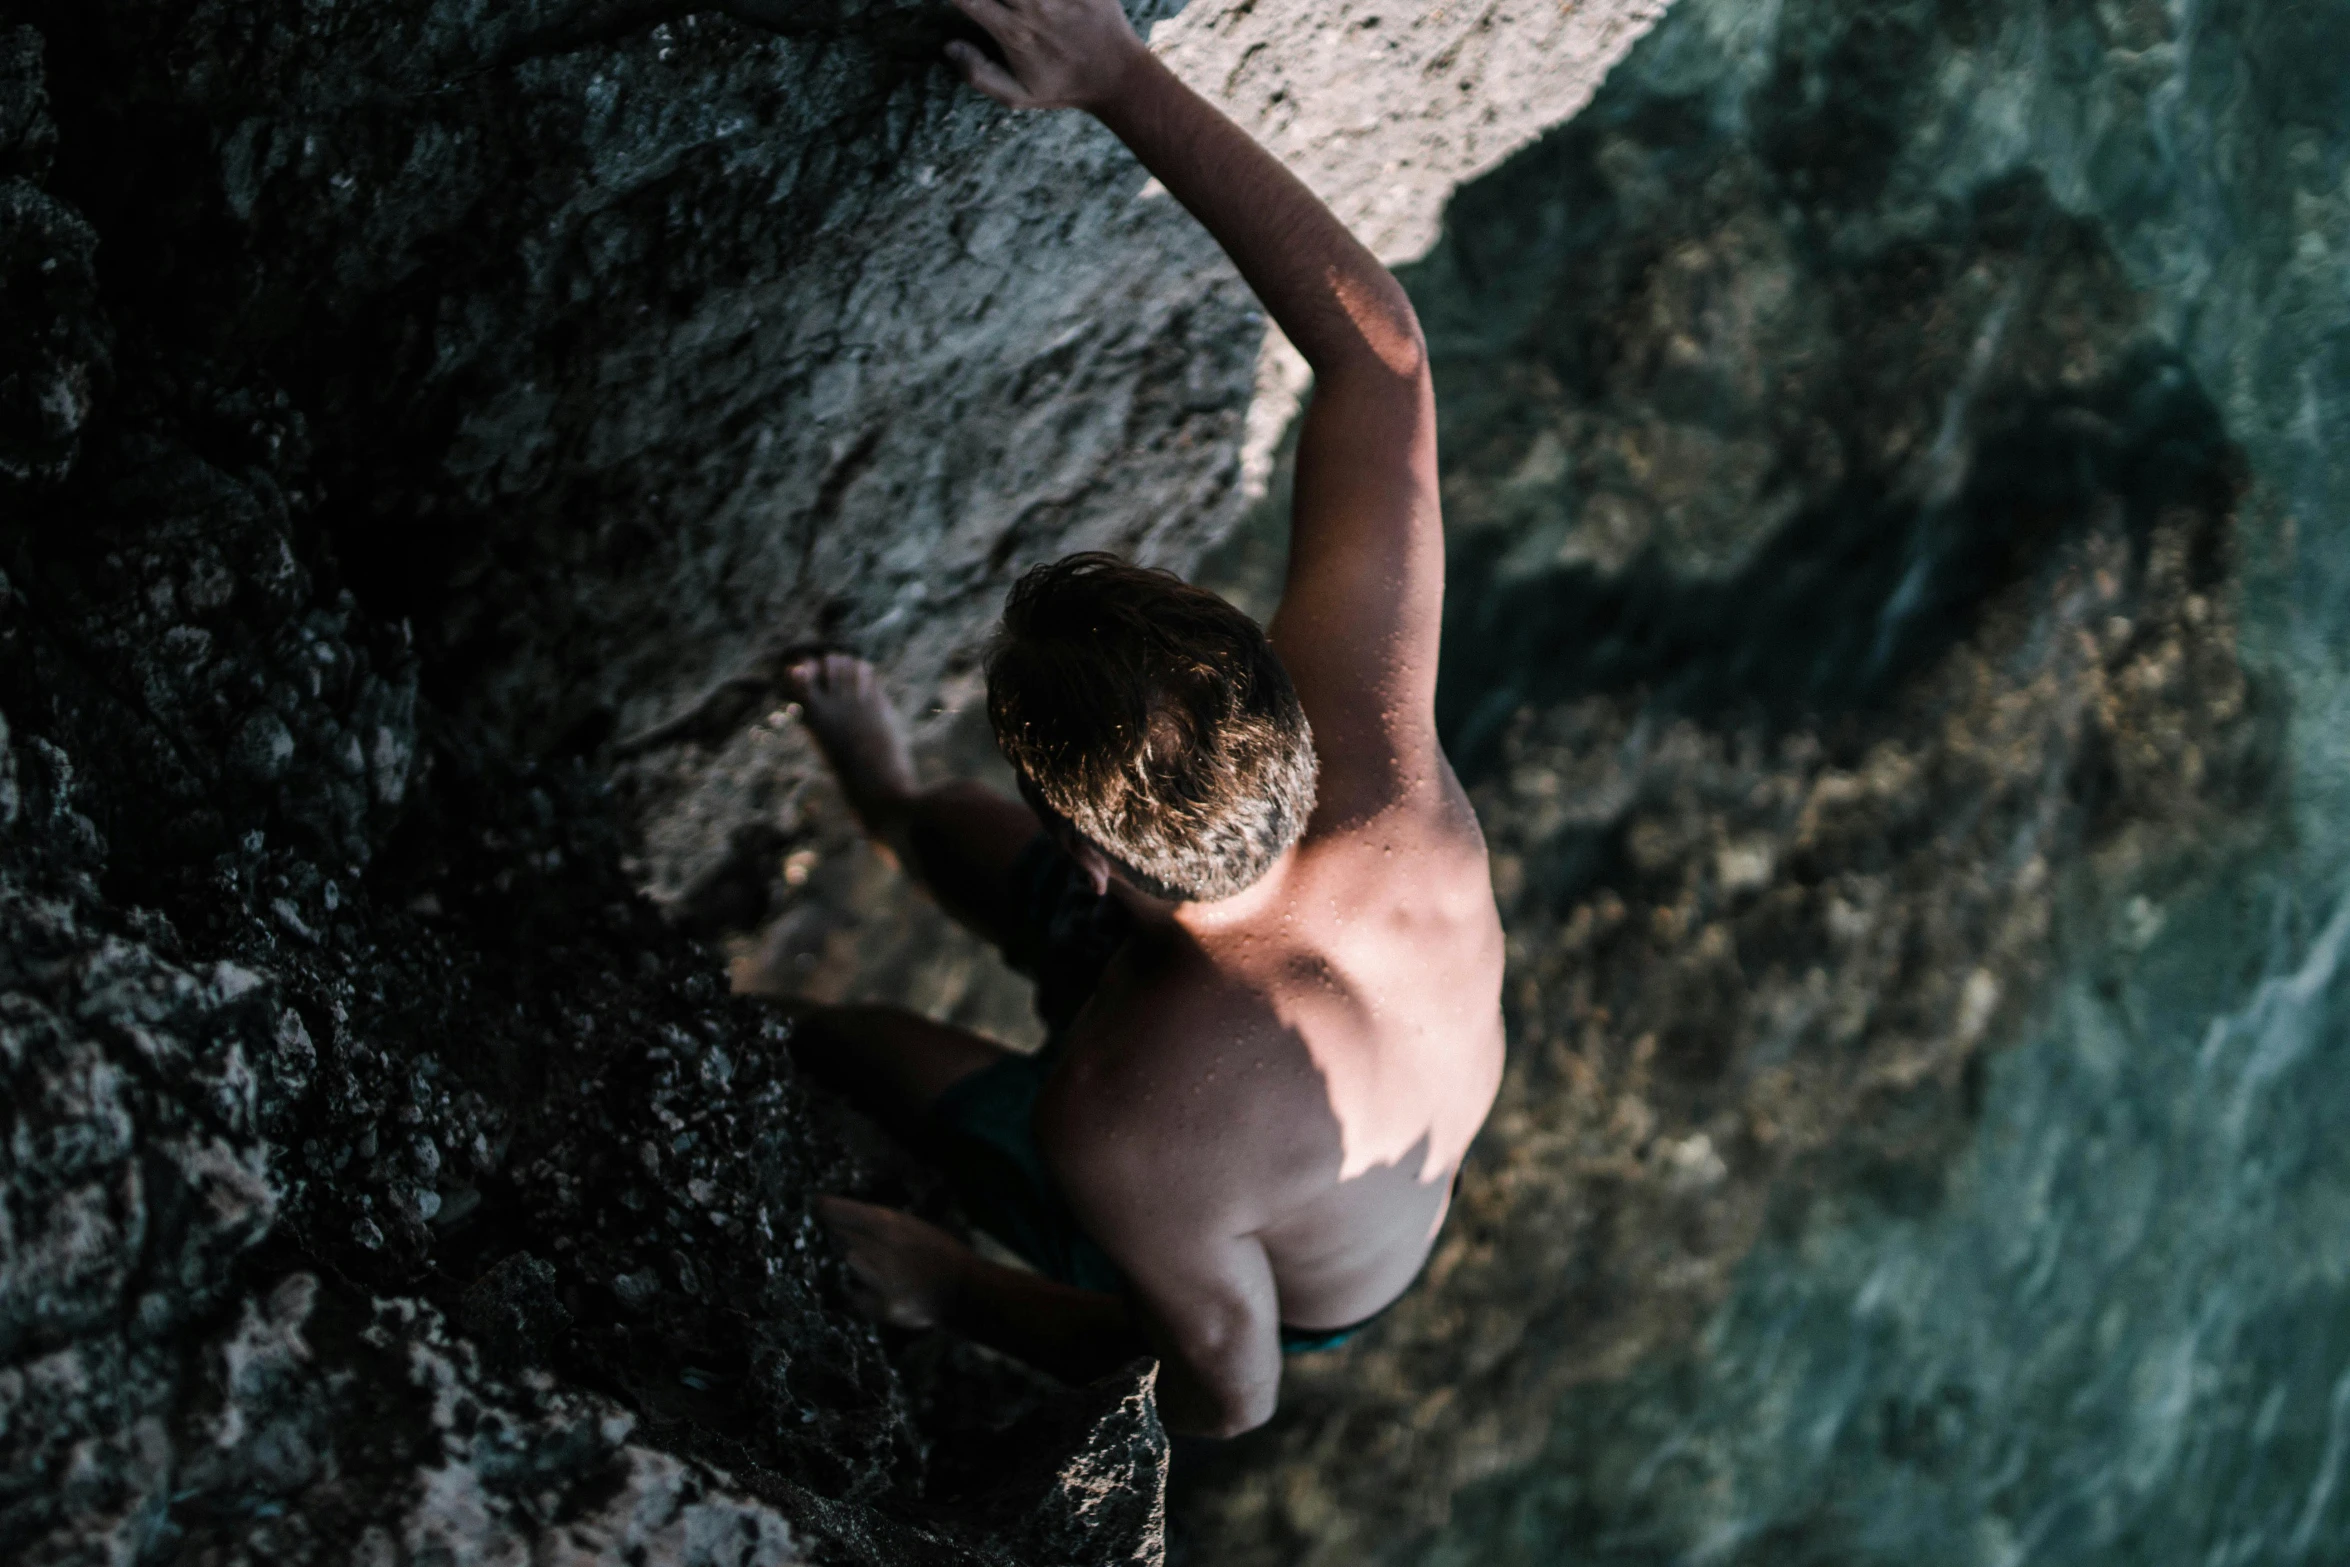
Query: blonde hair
(1156, 720)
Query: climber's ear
(1094, 864)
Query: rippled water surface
(2114, 1325)
(2119, 1332)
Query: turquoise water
(2123, 1333)
(2117, 1328)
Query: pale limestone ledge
(1004, 358)
(1384, 107)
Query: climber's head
(1154, 720)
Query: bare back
(1273, 1092)
(1311, 1071)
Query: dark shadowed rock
(53, 336)
(28, 136)
(513, 1314)
(328, 1018)
(1111, 1486)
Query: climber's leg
(891, 1064)
(961, 840)
(968, 1107)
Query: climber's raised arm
(1359, 617)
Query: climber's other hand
(1057, 54)
(901, 1271)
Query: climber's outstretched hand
(1058, 54)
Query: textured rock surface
(384, 1180)
(397, 404)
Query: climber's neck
(1262, 902)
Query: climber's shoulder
(1189, 1042)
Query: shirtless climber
(1249, 888)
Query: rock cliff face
(408, 415)
(385, 1181)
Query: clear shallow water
(2117, 1329)
(2122, 1333)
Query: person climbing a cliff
(1250, 891)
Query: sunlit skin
(1262, 1108)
